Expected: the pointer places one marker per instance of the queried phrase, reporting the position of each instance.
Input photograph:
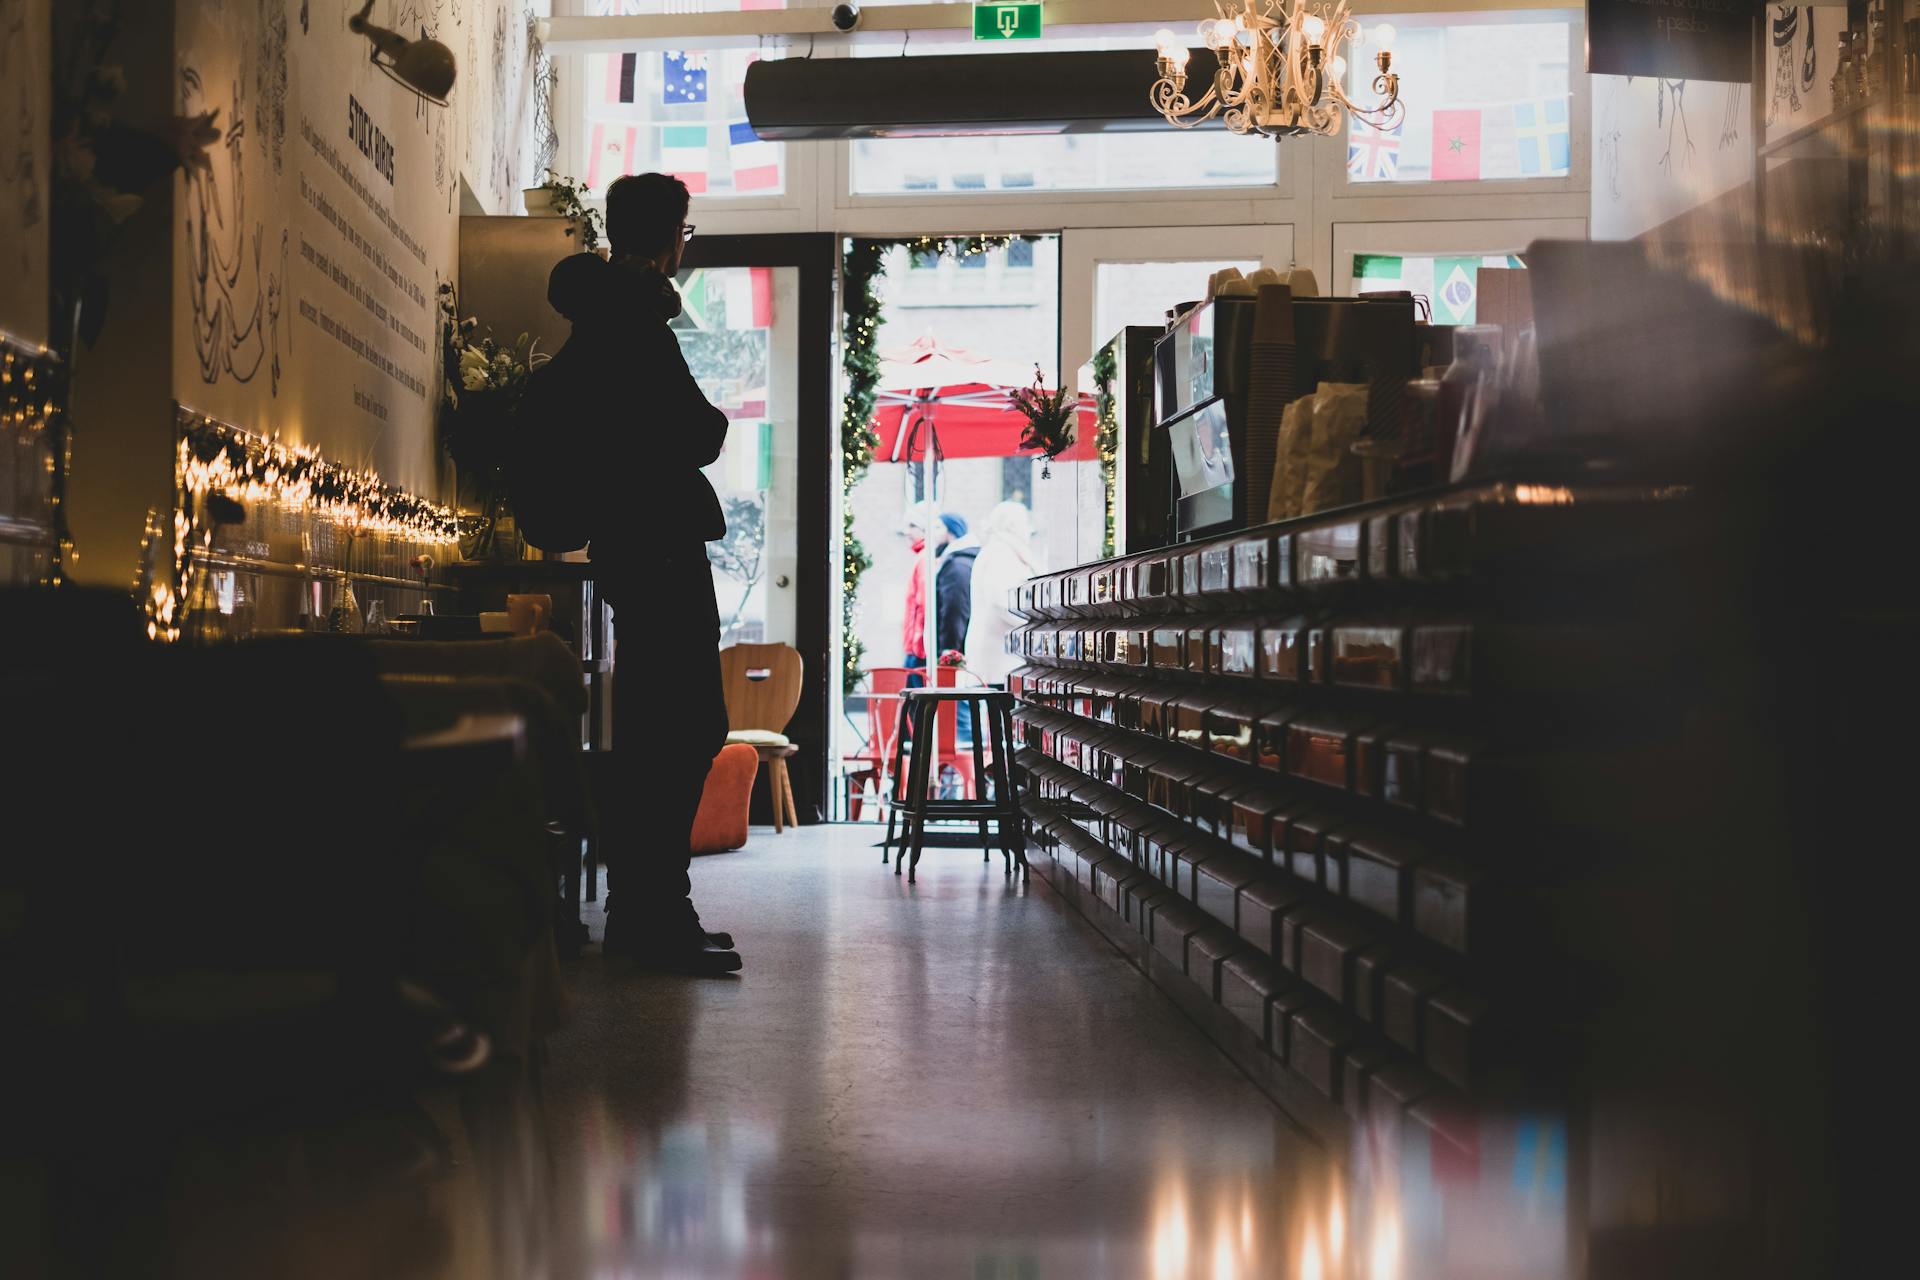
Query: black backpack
(547, 464)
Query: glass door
(756, 328)
(739, 332)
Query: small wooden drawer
(1369, 655)
(1380, 870)
(1320, 748)
(1282, 650)
(1326, 556)
(1253, 566)
(1207, 951)
(1328, 948)
(1317, 1047)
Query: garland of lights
(217, 465)
(1106, 436)
(32, 400)
(862, 265)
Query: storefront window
(1450, 282)
(1484, 99)
(682, 113)
(1056, 162)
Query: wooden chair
(762, 683)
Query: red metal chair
(870, 763)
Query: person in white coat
(1006, 560)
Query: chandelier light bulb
(1383, 36)
(1163, 40)
(1177, 55)
(1337, 68)
(1314, 27)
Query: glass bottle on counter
(344, 617)
(1475, 362)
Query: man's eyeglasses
(686, 231)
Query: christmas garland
(863, 263)
(1106, 438)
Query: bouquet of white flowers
(483, 380)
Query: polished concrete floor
(958, 1078)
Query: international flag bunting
(1456, 144)
(683, 153)
(621, 71)
(734, 69)
(1375, 271)
(1544, 137)
(756, 164)
(611, 154)
(748, 457)
(683, 78)
(748, 292)
(1373, 155)
(1456, 289)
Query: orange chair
(722, 821)
(762, 684)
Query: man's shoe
(719, 938)
(696, 962)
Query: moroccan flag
(683, 153)
(1456, 144)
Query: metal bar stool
(992, 725)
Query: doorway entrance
(756, 328)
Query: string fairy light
(31, 415)
(215, 460)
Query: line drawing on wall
(1792, 76)
(227, 286)
(1675, 119)
(25, 196)
(1609, 139)
(1730, 115)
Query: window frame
(1425, 239)
(1332, 161)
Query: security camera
(846, 17)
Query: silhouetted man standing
(653, 515)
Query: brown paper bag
(1290, 459)
(1332, 474)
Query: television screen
(1202, 450)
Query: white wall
(1661, 147)
(311, 250)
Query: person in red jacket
(913, 637)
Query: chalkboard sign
(1677, 39)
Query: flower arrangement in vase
(1049, 415)
(483, 380)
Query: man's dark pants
(669, 721)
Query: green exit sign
(1017, 21)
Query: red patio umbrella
(954, 403)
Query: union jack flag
(1373, 155)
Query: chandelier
(1281, 71)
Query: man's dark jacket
(652, 428)
(953, 583)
